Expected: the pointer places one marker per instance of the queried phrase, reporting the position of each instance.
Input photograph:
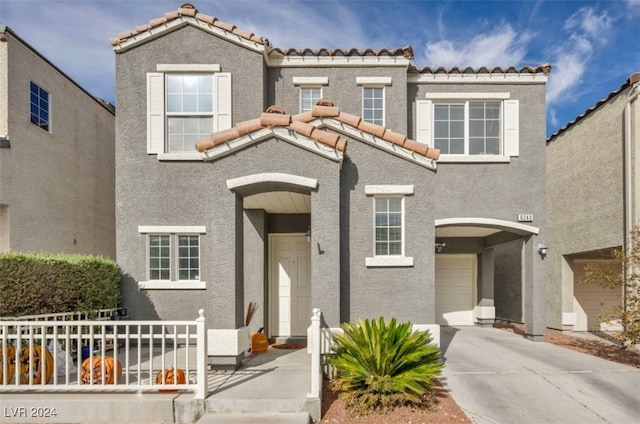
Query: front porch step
(253, 418)
(256, 406)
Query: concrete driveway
(499, 377)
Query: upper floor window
(189, 110)
(39, 106)
(373, 105)
(469, 127)
(309, 96)
(310, 91)
(389, 225)
(173, 257)
(185, 103)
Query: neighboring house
(593, 173)
(57, 158)
(330, 199)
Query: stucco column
(535, 291)
(255, 235)
(485, 311)
(568, 314)
(325, 251)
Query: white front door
(455, 278)
(290, 285)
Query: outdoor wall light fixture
(440, 246)
(542, 250)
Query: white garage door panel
(591, 300)
(454, 289)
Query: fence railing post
(315, 354)
(201, 356)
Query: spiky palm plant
(382, 365)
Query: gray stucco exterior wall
(585, 197)
(57, 186)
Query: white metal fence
(99, 355)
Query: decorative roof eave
(151, 33)
(335, 61)
(477, 78)
(280, 133)
(374, 141)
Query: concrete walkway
(499, 377)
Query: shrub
(46, 283)
(383, 365)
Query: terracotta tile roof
(544, 69)
(633, 79)
(188, 10)
(406, 52)
(300, 123)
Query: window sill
(474, 159)
(389, 261)
(180, 156)
(172, 285)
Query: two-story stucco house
(349, 181)
(57, 158)
(593, 173)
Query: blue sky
(593, 46)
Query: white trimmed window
(388, 225)
(185, 103)
(309, 96)
(469, 126)
(173, 257)
(310, 91)
(373, 105)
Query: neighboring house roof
(4, 30)
(633, 78)
(308, 129)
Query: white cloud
(572, 57)
(501, 46)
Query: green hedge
(47, 283)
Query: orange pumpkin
(8, 355)
(35, 368)
(112, 370)
(171, 376)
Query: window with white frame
(309, 96)
(471, 126)
(311, 90)
(39, 101)
(185, 103)
(389, 225)
(373, 105)
(173, 257)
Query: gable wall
(60, 184)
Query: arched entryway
(276, 250)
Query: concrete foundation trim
(228, 342)
(569, 318)
(434, 329)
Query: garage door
(455, 277)
(590, 300)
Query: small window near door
(173, 257)
(389, 225)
